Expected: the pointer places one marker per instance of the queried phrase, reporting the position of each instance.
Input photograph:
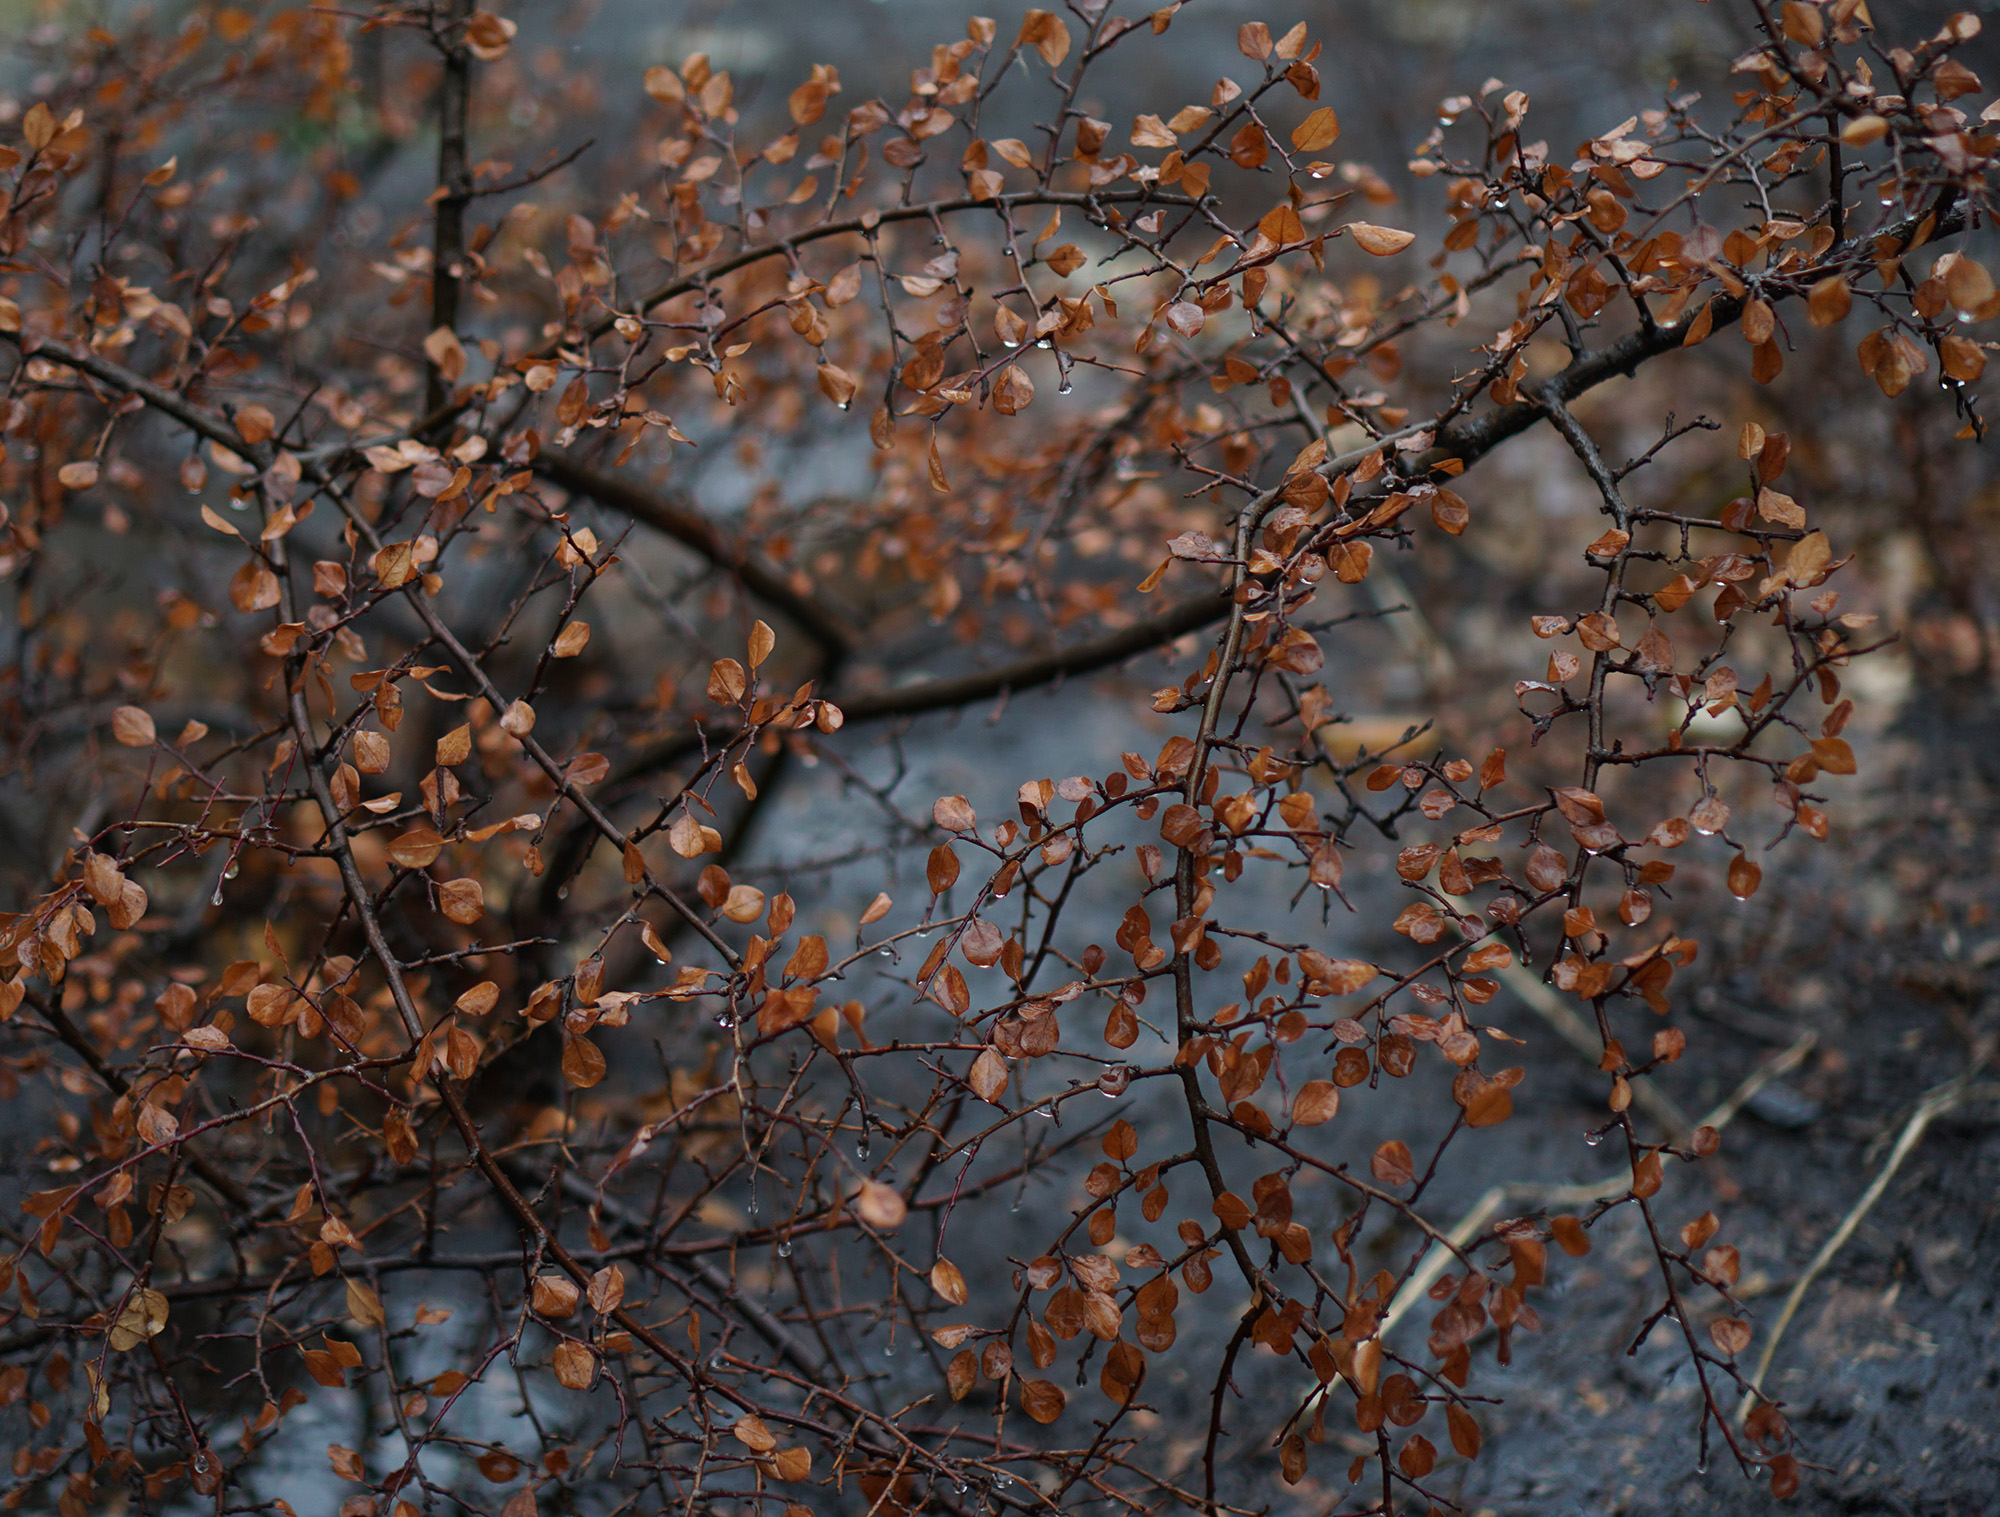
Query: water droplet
(562, 894)
(1006, 344)
(1701, 1465)
(1593, 1138)
(861, 1150)
(923, 933)
(961, 1487)
(724, 1020)
(753, 1207)
(887, 953)
(784, 1248)
(715, 1362)
(232, 871)
(216, 899)
(888, 1351)
(1065, 387)
(1114, 1080)
(1965, 316)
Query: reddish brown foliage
(406, 1020)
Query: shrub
(403, 1026)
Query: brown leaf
(962, 1374)
(132, 727)
(982, 944)
(792, 1464)
(363, 1305)
(948, 1282)
(143, 1316)
(1382, 241)
(1317, 1102)
(1013, 391)
(575, 1365)
(416, 849)
(1731, 1335)
(1829, 302)
(1318, 131)
(395, 565)
(582, 1063)
(726, 682)
(607, 1289)
(953, 813)
(1489, 1104)
(1046, 34)
(1464, 1431)
(487, 36)
(988, 1075)
(462, 901)
(1654, 653)
(1647, 1175)
(942, 869)
(837, 385)
(751, 1432)
(253, 588)
(1744, 877)
(1570, 1236)
(1391, 1163)
(554, 1296)
(1042, 1400)
(879, 1206)
(1066, 260)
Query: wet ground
(1884, 943)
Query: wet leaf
(582, 1063)
(1744, 877)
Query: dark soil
(1890, 1373)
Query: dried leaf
(575, 1365)
(132, 727)
(1391, 1163)
(948, 1282)
(1382, 241)
(879, 1206)
(1319, 131)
